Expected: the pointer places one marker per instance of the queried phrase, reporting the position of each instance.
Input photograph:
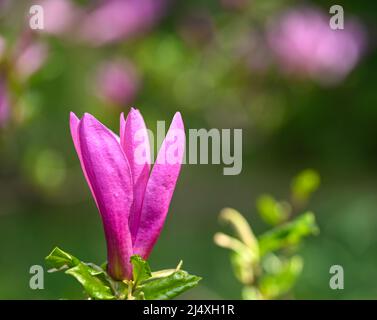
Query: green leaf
(163, 284)
(141, 270)
(304, 184)
(94, 269)
(163, 273)
(272, 211)
(59, 259)
(288, 234)
(165, 288)
(118, 287)
(95, 288)
(95, 280)
(284, 277)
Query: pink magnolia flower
(115, 20)
(133, 202)
(117, 82)
(304, 43)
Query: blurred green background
(211, 61)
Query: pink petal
(160, 188)
(74, 126)
(135, 143)
(110, 178)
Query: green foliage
(159, 285)
(141, 270)
(91, 283)
(166, 287)
(264, 264)
(59, 259)
(272, 211)
(251, 293)
(241, 263)
(87, 275)
(304, 184)
(288, 234)
(281, 276)
(145, 285)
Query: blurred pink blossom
(115, 20)
(4, 102)
(59, 15)
(30, 59)
(117, 82)
(304, 43)
(2, 47)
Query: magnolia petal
(135, 143)
(160, 188)
(74, 126)
(110, 178)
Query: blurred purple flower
(30, 60)
(29, 57)
(115, 20)
(132, 202)
(304, 43)
(2, 47)
(4, 102)
(117, 82)
(59, 15)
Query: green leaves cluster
(275, 212)
(288, 234)
(265, 265)
(145, 285)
